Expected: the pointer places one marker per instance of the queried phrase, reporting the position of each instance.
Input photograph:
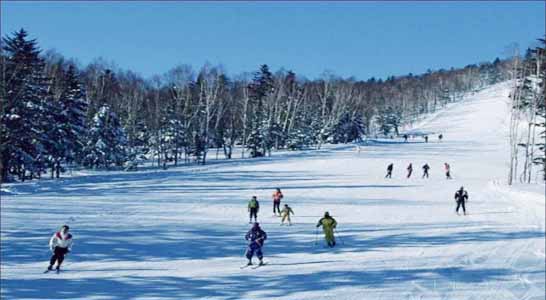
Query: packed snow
(179, 233)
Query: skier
(277, 196)
(60, 244)
(253, 208)
(440, 137)
(285, 213)
(426, 138)
(448, 170)
(328, 225)
(461, 196)
(256, 237)
(410, 170)
(389, 171)
(426, 167)
(405, 138)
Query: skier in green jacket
(328, 225)
(253, 208)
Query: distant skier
(253, 208)
(448, 170)
(389, 170)
(285, 213)
(277, 196)
(426, 138)
(440, 137)
(60, 244)
(328, 225)
(405, 138)
(410, 170)
(256, 237)
(461, 196)
(426, 167)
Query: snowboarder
(285, 213)
(256, 237)
(461, 196)
(60, 244)
(253, 208)
(389, 170)
(277, 196)
(410, 170)
(448, 170)
(426, 167)
(328, 225)
(440, 137)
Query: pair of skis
(253, 267)
(56, 271)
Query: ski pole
(316, 236)
(339, 236)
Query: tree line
(528, 116)
(56, 113)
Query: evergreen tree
(260, 137)
(106, 141)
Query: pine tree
(106, 141)
(25, 109)
(260, 137)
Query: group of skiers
(440, 137)
(425, 168)
(60, 243)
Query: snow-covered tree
(106, 141)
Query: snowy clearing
(179, 233)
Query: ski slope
(179, 233)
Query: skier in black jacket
(461, 196)
(256, 237)
(389, 171)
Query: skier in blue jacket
(256, 237)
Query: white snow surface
(179, 233)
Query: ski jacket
(277, 196)
(409, 168)
(389, 168)
(61, 240)
(253, 204)
(256, 236)
(287, 211)
(426, 167)
(447, 167)
(327, 223)
(461, 196)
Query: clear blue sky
(361, 39)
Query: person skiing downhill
(410, 170)
(256, 237)
(426, 167)
(328, 225)
(389, 170)
(60, 244)
(277, 196)
(461, 196)
(253, 208)
(448, 170)
(285, 213)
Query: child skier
(389, 170)
(253, 208)
(256, 237)
(461, 196)
(410, 170)
(328, 225)
(448, 169)
(277, 196)
(60, 244)
(285, 213)
(426, 167)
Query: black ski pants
(58, 256)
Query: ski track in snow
(178, 233)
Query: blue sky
(360, 39)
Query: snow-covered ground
(178, 234)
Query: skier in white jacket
(60, 244)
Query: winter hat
(326, 214)
(65, 226)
